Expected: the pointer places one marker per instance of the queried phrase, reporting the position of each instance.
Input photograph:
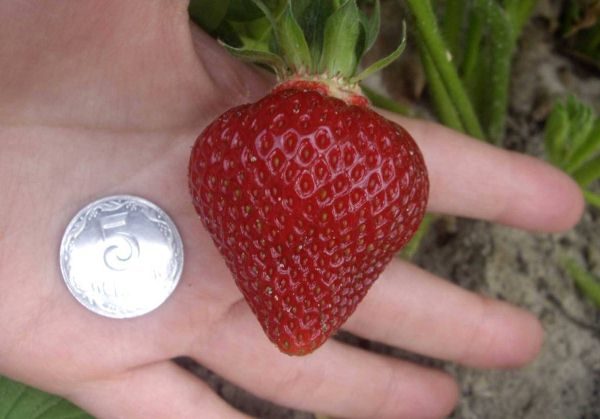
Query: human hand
(107, 97)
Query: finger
(428, 315)
(337, 379)
(161, 390)
(473, 179)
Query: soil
(516, 266)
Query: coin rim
(176, 238)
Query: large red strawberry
(308, 193)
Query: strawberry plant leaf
(589, 148)
(18, 401)
(592, 198)
(556, 133)
(588, 173)
(581, 119)
(572, 141)
(585, 281)
(519, 11)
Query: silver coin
(121, 256)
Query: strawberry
(308, 194)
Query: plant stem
(519, 12)
(429, 34)
(443, 103)
(471, 62)
(452, 29)
(503, 44)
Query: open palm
(101, 97)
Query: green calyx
(303, 38)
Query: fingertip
(434, 395)
(570, 209)
(548, 200)
(524, 343)
(449, 392)
(564, 198)
(515, 339)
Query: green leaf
(384, 62)
(342, 30)
(588, 173)
(18, 401)
(584, 280)
(582, 120)
(556, 133)
(520, 12)
(587, 150)
(592, 198)
(208, 13)
(292, 42)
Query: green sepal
(342, 31)
(384, 62)
(371, 26)
(324, 38)
(312, 16)
(292, 42)
(266, 58)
